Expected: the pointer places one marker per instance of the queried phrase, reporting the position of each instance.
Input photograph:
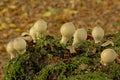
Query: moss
(48, 61)
(14, 68)
(92, 76)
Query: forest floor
(19, 15)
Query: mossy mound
(49, 60)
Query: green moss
(48, 61)
(92, 76)
(14, 70)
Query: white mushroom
(39, 27)
(80, 35)
(33, 34)
(98, 34)
(16, 46)
(19, 45)
(108, 56)
(10, 49)
(67, 30)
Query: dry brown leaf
(18, 30)
(12, 25)
(108, 43)
(93, 52)
(73, 11)
(25, 15)
(99, 1)
(8, 20)
(118, 58)
(12, 7)
(4, 10)
(47, 14)
(1, 28)
(83, 66)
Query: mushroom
(16, 46)
(10, 49)
(33, 34)
(80, 35)
(67, 30)
(98, 34)
(108, 56)
(19, 45)
(39, 27)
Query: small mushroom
(16, 46)
(10, 49)
(33, 34)
(39, 27)
(80, 35)
(67, 30)
(108, 56)
(98, 34)
(19, 45)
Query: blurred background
(17, 16)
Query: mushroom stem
(64, 40)
(75, 43)
(12, 55)
(71, 49)
(104, 64)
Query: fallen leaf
(8, 20)
(18, 30)
(108, 43)
(12, 7)
(118, 58)
(25, 15)
(99, 1)
(83, 66)
(93, 52)
(73, 11)
(12, 25)
(47, 14)
(3, 26)
(4, 10)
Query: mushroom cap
(9, 48)
(27, 37)
(40, 26)
(19, 44)
(33, 34)
(108, 55)
(67, 29)
(80, 34)
(98, 34)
